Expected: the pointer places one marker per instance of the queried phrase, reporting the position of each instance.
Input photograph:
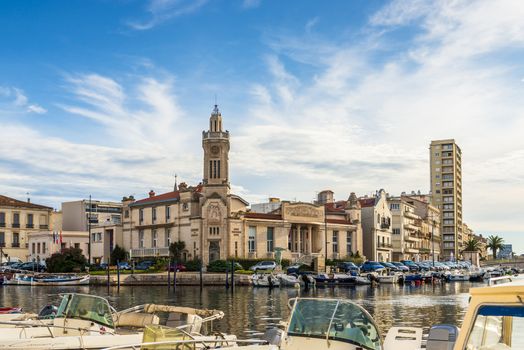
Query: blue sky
(109, 98)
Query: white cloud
(163, 10)
(13, 100)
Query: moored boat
(28, 279)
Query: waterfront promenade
(161, 278)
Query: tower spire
(176, 185)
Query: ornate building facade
(216, 224)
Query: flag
(60, 237)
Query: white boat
(458, 276)
(295, 281)
(389, 279)
(89, 322)
(29, 279)
(265, 280)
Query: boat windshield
(86, 307)
(497, 327)
(335, 320)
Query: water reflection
(249, 311)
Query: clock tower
(215, 142)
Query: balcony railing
(2, 224)
(217, 134)
(29, 226)
(149, 252)
(384, 245)
(15, 225)
(44, 227)
(15, 244)
(2, 244)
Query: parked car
(371, 266)
(390, 266)
(32, 266)
(124, 265)
(179, 267)
(411, 265)
(144, 265)
(348, 267)
(264, 265)
(401, 267)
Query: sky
(109, 98)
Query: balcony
(2, 224)
(148, 252)
(215, 135)
(2, 244)
(384, 225)
(44, 227)
(29, 226)
(15, 244)
(15, 225)
(384, 245)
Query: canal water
(250, 311)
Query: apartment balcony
(411, 215)
(2, 224)
(411, 250)
(411, 227)
(2, 244)
(411, 238)
(29, 226)
(384, 226)
(384, 246)
(15, 225)
(148, 252)
(15, 245)
(44, 227)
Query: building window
(43, 247)
(394, 206)
(29, 220)
(38, 248)
(437, 154)
(270, 238)
(16, 240)
(126, 213)
(168, 212)
(437, 191)
(77, 245)
(349, 240)
(153, 214)
(396, 231)
(62, 246)
(2, 239)
(214, 231)
(141, 215)
(141, 239)
(167, 238)
(335, 241)
(251, 246)
(153, 239)
(2, 219)
(194, 250)
(378, 219)
(33, 248)
(16, 220)
(185, 206)
(437, 170)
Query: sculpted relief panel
(213, 213)
(303, 211)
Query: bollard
(201, 280)
(232, 276)
(118, 275)
(227, 276)
(169, 274)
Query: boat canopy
(86, 307)
(334, 320)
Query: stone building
(216, 224)
(376, 227)
(17, 220)
(406, 230)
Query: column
(299, 229)
(310, 236)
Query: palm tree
(472, 245)
(176, 248)
(495, 243)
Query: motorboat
(30, 279)
(296, 281)
(335, 278)
(458, 276)
(265, 280)
(85, 321)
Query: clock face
(215, 149)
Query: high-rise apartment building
(446, 190)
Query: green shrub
(118, 254)
(222, 265)
(193, 265)
(244, 272)
(69, 260)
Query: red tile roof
(11, 202)
(263, 216)
(175, 195)
(338, 221)
(367, 202)
(336, 206)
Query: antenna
(215, 99)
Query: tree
(69, 260)
(118, 254)
(495, 243)
(176, 248)
(472, 245)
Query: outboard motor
(48, 311)
(273, 336)
(442, 337)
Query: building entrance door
(214, 251)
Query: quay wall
(161, 279)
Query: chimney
(151, 193)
